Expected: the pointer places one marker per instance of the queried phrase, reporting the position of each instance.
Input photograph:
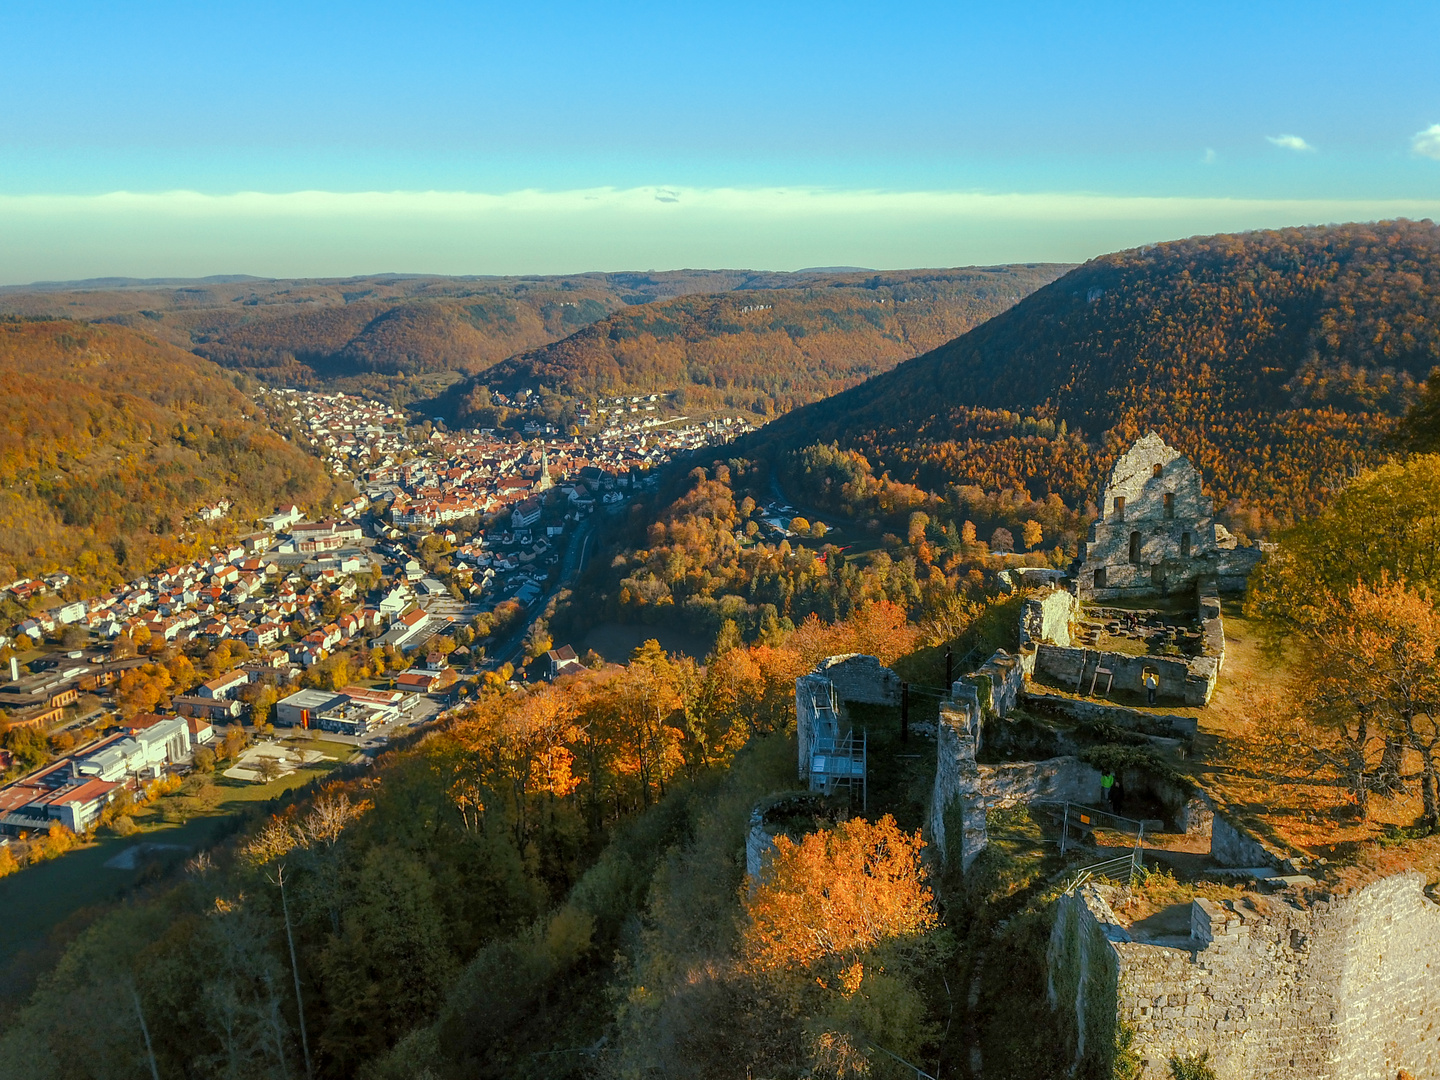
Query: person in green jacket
(1107, 789)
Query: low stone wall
(1190, 681)
(1233, 846)
(773, 816)
(1020, 783)
(1093, 712)
(1272, 989)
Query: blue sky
(321, 139)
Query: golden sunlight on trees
(837, 931)
(1370, 679)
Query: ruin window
(1157, 470)
(1119, 507)
(1185, 545)
(1169, 504)
(1100, 578)
(1135, 548)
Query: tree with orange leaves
(1370, 681)
(837, 930)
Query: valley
(629, 675)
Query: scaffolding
(837, 755)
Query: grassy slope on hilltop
(1277, 360)
(109, 439)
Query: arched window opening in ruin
(1100, 578)
(1119, 507)
(1135, 548)
(1169, 505)
(1158, 469)
(1185, 545)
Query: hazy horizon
(337, 140)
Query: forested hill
(762, 348)
(1277, 360)
(110, 441)
(378, 333)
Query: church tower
(543, 482)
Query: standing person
(1107, 789)
(1152, 684)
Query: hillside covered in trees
(1279, 361)
(765, 354)
(110, 441)
(379, 333)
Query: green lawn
(39, 899)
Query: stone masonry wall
(1020, 783)
(1273, 990)
(1048, 618)
(1191, 681)
(956, 802)
(1093, 712)
(858, 677)
(999, 681)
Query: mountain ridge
(1278, 360)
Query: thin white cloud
(1291, 142)
(1209, 157)
(1427, 143)
(333, 234)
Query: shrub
(1192, 1067)
(124, 825)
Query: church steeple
(544, 483)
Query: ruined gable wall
(1162, 565)
(862, 678)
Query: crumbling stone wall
(1022, 783)
(1233, 846)
(1048, 618)
(1156, 533)
(779, 814)
(1191, 681)
(999, 682)
(1270, 987)
(858, 677)
(957, 804)
(1093, 712)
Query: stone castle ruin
(1156, 533)
(1285, 980)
